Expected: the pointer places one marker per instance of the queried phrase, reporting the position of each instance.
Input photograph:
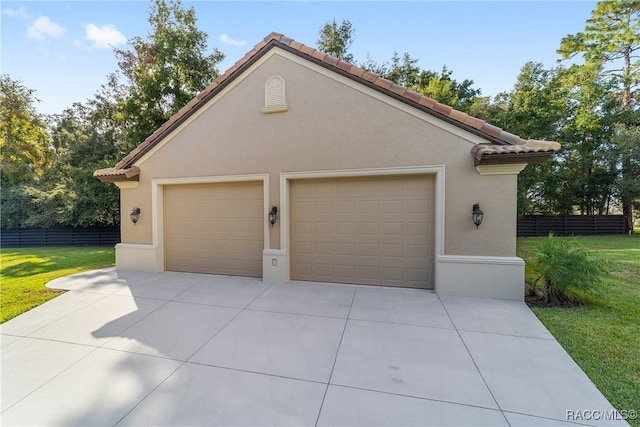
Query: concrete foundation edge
(137, 257)
(473, 276)
(484, 277)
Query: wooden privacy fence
(567, 225)
(25, 237)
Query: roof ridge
(478, 126)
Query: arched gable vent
(274, 95)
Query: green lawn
(603, 337)
(25, 271)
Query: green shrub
(569, 272)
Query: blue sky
(62, 49)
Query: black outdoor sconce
(477, 215)
(134, 215)
(273, 215)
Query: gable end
(492, 134)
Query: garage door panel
(376, 230)
(418, 229)
(303, 248)
(418, 206)
(346, 227)
(370, 273)
(394, 229)
(303, 206)
(214, 228)
(303, 268)
(323, 207)
(394, 274)
(323, 228)
(345, 249)
(346, 207)
(368, 206)
(419, 248)
(323, 270)
(394, 250)
(394, 207)
(369, 228)
(368, 250)
(323, 248)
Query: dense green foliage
(26, 271)
(24, 142)
(569, 272)
(610, 78)
(602, 336)
(166, 70)
(336, 39)
(440, 86)
(47, 168)
(590, 107)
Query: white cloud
(42, 28)
(20, 12)
(104, 36)
(225, 39)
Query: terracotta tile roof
(116, 175)
(535, 151)
(492, 134)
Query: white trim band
(513, 169)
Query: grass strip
(24, 272)
(603, 336)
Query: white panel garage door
(376, 231)
(214, 228)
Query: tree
(570, 105)
(87, 137)
(90, 134)
(587, 136)
(402, 69)
(537, 108)
(53, 171)
(337, 39)
(405, 71)
(611, 39)
(538, 104)
(490, 109)
(374, 67)
(609, 44)
(29, 197)
(166, 70)
(25, 152)
(83, 138)
(35, 205)
(627, 152)
(443, 88)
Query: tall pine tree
(609, 45)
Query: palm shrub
(568, 271)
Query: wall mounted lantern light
(477, 215)
(134, 215)
(273, 215)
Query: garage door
(375, 231)
(214, 228)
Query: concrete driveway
(194, 349)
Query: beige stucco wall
(328, 126)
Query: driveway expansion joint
(387, 320)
